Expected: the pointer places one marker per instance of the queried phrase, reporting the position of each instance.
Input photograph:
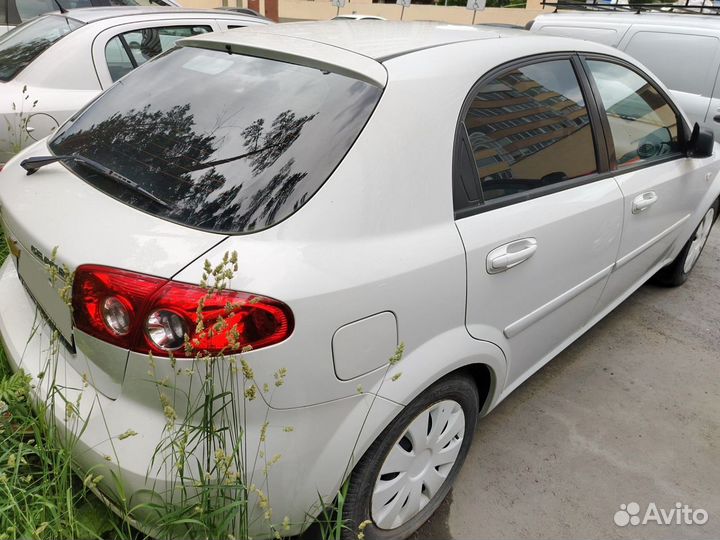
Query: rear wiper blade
(34, 163)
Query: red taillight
(94, 285)
(144, 313)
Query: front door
(661, 186)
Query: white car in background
(486, 213)
(683, 49)
(15, 12)
(54, 64)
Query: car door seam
(622, 261)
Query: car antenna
(62, 9)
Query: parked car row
(53, 65)
(484, 213)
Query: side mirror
(701, 143)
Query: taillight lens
(148, 314)
(96, 287)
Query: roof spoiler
(293, 51)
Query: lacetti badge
(48, 262)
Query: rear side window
(666, 55)
(235, 143)
(129, 50)
(644, 126)
(3, 12)
(117, 57)
(21, 46)
(529, 128)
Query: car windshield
(234, 145)
(21, 46)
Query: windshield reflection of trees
(16, 57)
(164, 153)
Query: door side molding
(531, 318)
(622, 261)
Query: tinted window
(118, 61)
(3, 11)
(21, 46)
(643, 125)
(666, 55)
(126, 51)
(149, 42)
(529, 128)
(234, 144)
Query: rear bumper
(315, 454)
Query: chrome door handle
(509, 255)
(644, 201)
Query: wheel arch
(485, 380)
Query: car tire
(418, 452)
(677, 272)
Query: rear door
(540, 221)
(661, 186)
(119, 50)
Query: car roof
(361, 48)
(94, 14)
(379, 40)
(643, 17)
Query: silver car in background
(682, 49)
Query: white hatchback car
(53, 65)
(485, 213)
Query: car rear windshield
(234, 144)
(19, 47)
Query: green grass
(40, 495)
(4, 252)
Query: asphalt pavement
(630, 413)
